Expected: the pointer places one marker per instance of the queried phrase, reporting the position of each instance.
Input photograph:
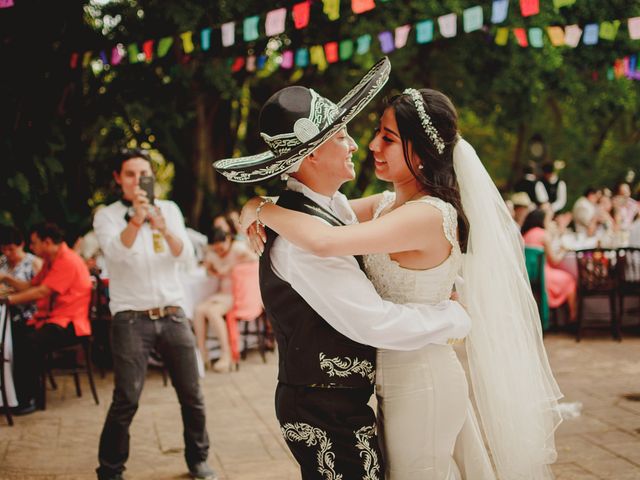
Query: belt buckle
(154, 316)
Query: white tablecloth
(8, 366)
(197, 286)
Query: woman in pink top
(560, 285)
(222, 254)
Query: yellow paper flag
(502, 36)
(331, 8)
(556, 35)
(187, 41)
(609, 30)
(317, 57)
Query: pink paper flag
(556, 35)
(6, 3)
(521, 36)
(448, 25)
(117, 54)
(287, 59)
(572, 35)
(361, 6)
(228, 31)
(331, 52)
(301, 14)
(402, 35)
(529, 7)
(634, 28)
(274, 24)
(147, 48)
(251, 63)
(73, 61)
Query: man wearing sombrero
(327, 317)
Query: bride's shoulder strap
(386, 199)
(449, 217)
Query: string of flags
(472, 19)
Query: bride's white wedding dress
(426, 422)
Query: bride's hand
(249, 223)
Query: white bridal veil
(513, 386)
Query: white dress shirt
(341, 294)
(561, 195)
(139, 277)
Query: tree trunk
(516, 160)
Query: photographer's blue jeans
(133, 336)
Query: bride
(445, 218)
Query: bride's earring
(420, 167)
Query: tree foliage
(60, 126)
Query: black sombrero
(296, 121)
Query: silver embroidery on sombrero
(322, 112)
(281, 165)
(303, 432)
(344, 367)
(367, 453)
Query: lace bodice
(403, 285)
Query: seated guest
(522, 205)
(607, 216)
(17, 264)
(63, 291)
(223, 253)
(625, 205)
(560, 285)
(585, 212)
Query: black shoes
(202, 471)
(24, 409)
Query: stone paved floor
(61, 442)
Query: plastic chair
(534, 260)
(628, 275)
(5, 322)
(247, 307)
(598, 277)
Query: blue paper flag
(499, 11)
(424, 31)
(205, 39)
(590, 35)
(302, 57)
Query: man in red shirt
(62, 290)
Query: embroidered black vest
(527, 186)
(310, 351)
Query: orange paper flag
(556, 35)
(331, 52)
(361, 6)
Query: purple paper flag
(386, 42)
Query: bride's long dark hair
(437, 176)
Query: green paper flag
(563, 3)
(346, 49)
(164, 45)
(535, 37)
(132, 48)
(250, 28)
(609, 30)
(472, 19)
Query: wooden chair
(534, 261)
(598, 277)
(628, 276)
(5, 322)
(248, 309)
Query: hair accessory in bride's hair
(425, 119)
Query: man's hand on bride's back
(249, 222)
